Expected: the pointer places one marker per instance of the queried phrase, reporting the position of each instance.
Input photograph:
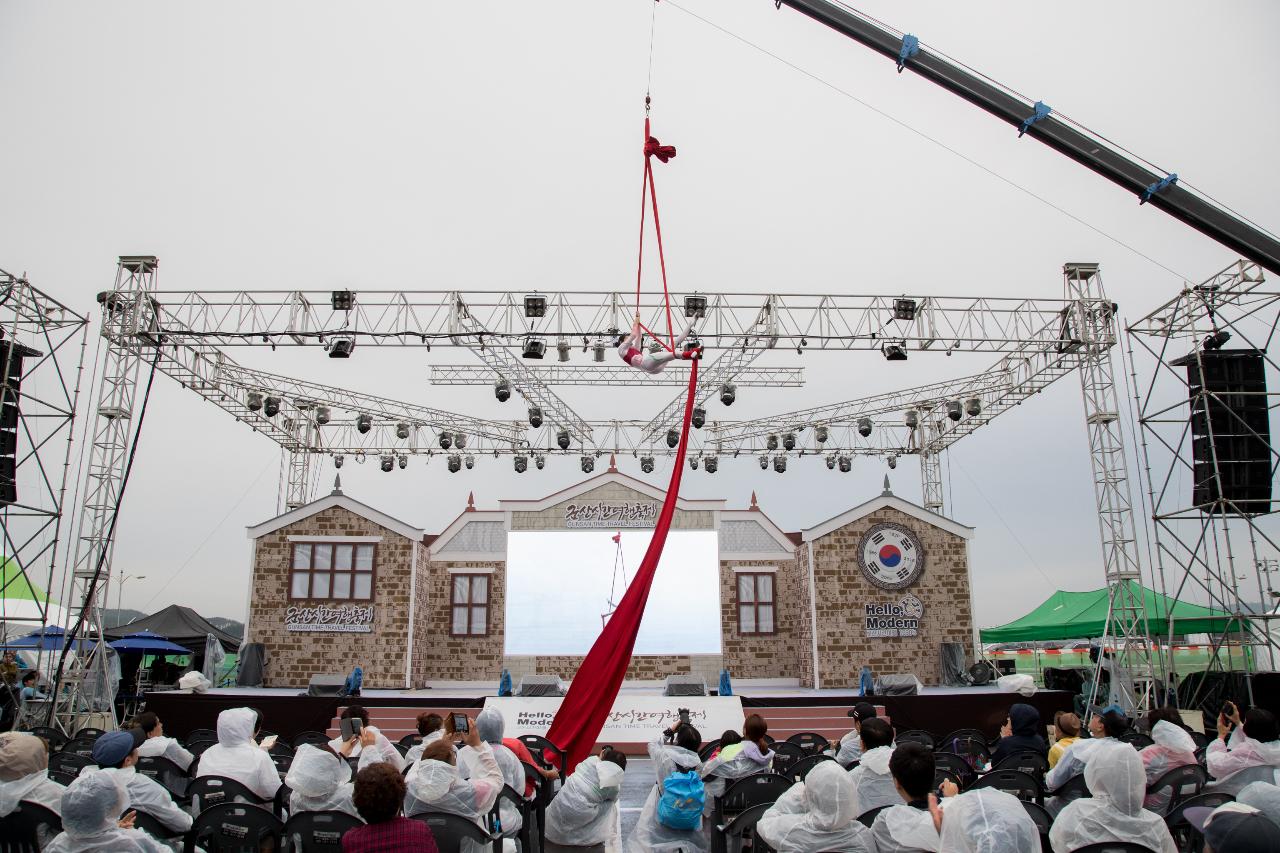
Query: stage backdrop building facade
(337, 583)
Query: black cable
(70, 637)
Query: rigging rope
(649, 194)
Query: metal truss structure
(596, 374)
(1212, 548)
(40, 407)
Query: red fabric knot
(654, 148)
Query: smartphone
(350, 727)
(268, 741)
(1229, 709)
(460, 723)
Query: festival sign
(344, 619)
(899, 619)
(631, 514)
(631, 720)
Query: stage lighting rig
(322, 415)
(446, 441)
(912, 418)
(699, 418)
(973, 407)
(764, 463)
(388, 462)
(535, 305)
(597, 352)
(646, 464)
(455, 463)
(271, 407)
(789, 441)
(502, 390)
(771, 443)
(562, 349)
(673, 437)
(712, 464)
(535, 417)
(864, 427)
(562, 439)
(820, 434)
(460, 440)
(831, 462)
(337, 461)
(695, 306)
(894, 350)
(728, 393)
(846, 464)
(588, 464)
(341, 347)
(693, 462)
(342, 300)
(893, 461)
(780, 464)
(402, 461)
(534, 347)
(470, 461)
(1217, 339)
(402, 430)
(904, 309)
(522, 464)
(539, 461)
(253, 400)
(954, 410)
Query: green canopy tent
(22, 602)
(1074, 615)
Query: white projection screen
(558, 585)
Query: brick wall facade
(472, 658)
(763, 655)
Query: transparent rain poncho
(91, 805)
(585, 812)
(436, 786)
(1114, 813)
(236, 756)
(988, 821)
(1172, 748)
(24, 776)
(828, 820)
(873, 781)
(489, 726)
(904, 829)
(648, 833)
(1264, 797)
(320, 781)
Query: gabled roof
(336, 499)
(612, 476)
(890, 501)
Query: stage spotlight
(502, 390)
(402, 430)
(539, 462)
(693, 462)
(455, 463)
(364, 423)
(535, 417)
(846, 464)
(646, 464)
(780, 464)
(322, 415)
(597, 352)
(562, 349)
(1217, 339)
(460, 439)
(831, 462)
(728, 393)
(446, 441)
(673, 438)
(695, 306)
(789, 441)
(895, 351)
(535, 305)
(562, 439)
(337, 461)
(271, 407)
(893, 461)
(402, 461)
(388, 462)
(864, 427)
(342, 300)
(904, 309)
(712, 464)
(470, 461)
(699, 417)
(912, 418)
(342, 347)
(254, 401)
(522, 464)
(954, 410)
(764, 463)
(534, 347)
(771, 443)
(973, 407)
(588, 464)
(820, 434)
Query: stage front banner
(632, 719)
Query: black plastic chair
(801, 768)
(199, 745)
(401, 748)
(20, 829)
(1043, 820)
(67, 764)
(730, 838)
(1073, 788)
(750, 791)
(450, 830)
(203, 734)
(310, 736)
(707, 749)
(786, 754)
(522, 805)
(942, 774)
(79, 746)
(167, 774)
(1032, 763)
(1200, 739)
(56, 739)
(1114, 847)
(811, 742)
(869, 817)
(1136, 739)
(964, 733)
(963, 771)
(90, 732)
(234, 828)
(542, 795)
(1024, 786)
(1184, 834)
(919, 736)
(971, 747)
(1183, 782)
(409, 741)
(208, 792)
(151, 825)
(319, 832)
(544, 751)
(281, 749)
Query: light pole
(120, 591)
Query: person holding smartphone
(353, 720)
(434, 783)
(1246, 750)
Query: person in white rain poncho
(908, 827)
(390, 754)
(434, 784)
(585, 812)
(1104, 728)
(827, 819)
(1172, 748)
(753, 757)
(431, 728)
(320, 781)
(237, 757)
(24, 777)
(871, 777)
(680, 757)
(1114, 812)
(1262, 796)
(117, 754)
(987, 821)
(489, 726)
(850, 747)
(1248, 753)
(91, 823)
(157, 745)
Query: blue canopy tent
(48, 639)
(146, 642)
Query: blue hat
(110, 749)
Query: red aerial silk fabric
(591, 694)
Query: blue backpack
(683, 796)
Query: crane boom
(1091, 152)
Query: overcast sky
(455, 145)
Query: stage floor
(370, 696)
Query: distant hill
(231, 626)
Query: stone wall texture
(763, 655)
(447, 658)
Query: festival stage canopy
(178, 624)
(21, 601)
(1075, 615)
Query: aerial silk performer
(653, 363)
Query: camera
(684, 716)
